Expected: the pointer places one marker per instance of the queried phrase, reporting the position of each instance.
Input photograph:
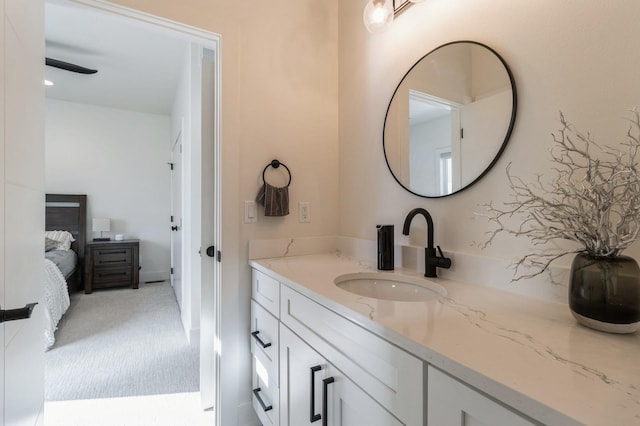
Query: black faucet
(431, 259)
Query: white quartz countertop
(528, 353)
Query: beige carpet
(121, 342)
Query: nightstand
(111, 264)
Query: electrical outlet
(304, 211)
(250, 212)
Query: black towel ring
(275, 164)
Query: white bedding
(56, 300)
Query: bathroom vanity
(476, 355)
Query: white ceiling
(138, 65)
(421, 110)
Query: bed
(65, 223)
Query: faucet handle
(442, 262)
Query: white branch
(592, 200)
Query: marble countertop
(528, 353)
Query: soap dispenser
(385, 247)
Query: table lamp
(101, 225)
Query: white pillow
(64, 238)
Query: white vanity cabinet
(373, 379)
(265, 342)
(315, 391)
(311, 365)
(452, 403)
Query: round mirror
(449, 119)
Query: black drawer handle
(113, 252)
(113, 274)
(313, 417)
(264, 406)
(325, 384)
(113, 261)
(262, 343)
(17, 314)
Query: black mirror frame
(507, 134)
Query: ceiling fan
(67, 66)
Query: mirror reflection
(449, 119)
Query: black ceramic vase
(604, 293)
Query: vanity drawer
(266, 291)
(264, 338)
(390, 375)
(265, 397)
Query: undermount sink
(390, 286)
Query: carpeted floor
(121, 342)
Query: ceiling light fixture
(379, 14)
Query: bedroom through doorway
(110, 136)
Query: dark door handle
(325, 384)
(264, 406)
(17, 314)
(262, 343)
(211, 251)
(174, 228)
(313, 417)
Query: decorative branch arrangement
(593, 200)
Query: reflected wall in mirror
(449, 119)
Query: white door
(349, 405)
(22, 212)
(482, 138)
(301, 373)
(176, 214)
(452, 403)
(313, 390)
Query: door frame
(212, 42)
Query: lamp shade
(101, 224)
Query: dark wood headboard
(68, 213)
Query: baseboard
(152, 276)
(194, 337)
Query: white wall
(119, 159)
(573, 56)
(279, 100)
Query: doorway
(199, 186)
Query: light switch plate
(304, 212)
(250, 212)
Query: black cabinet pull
(313, 417)
(112, 252)
(325, 384)
(17, 314)
(264, 406)
(262, 343)
(112, 274)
